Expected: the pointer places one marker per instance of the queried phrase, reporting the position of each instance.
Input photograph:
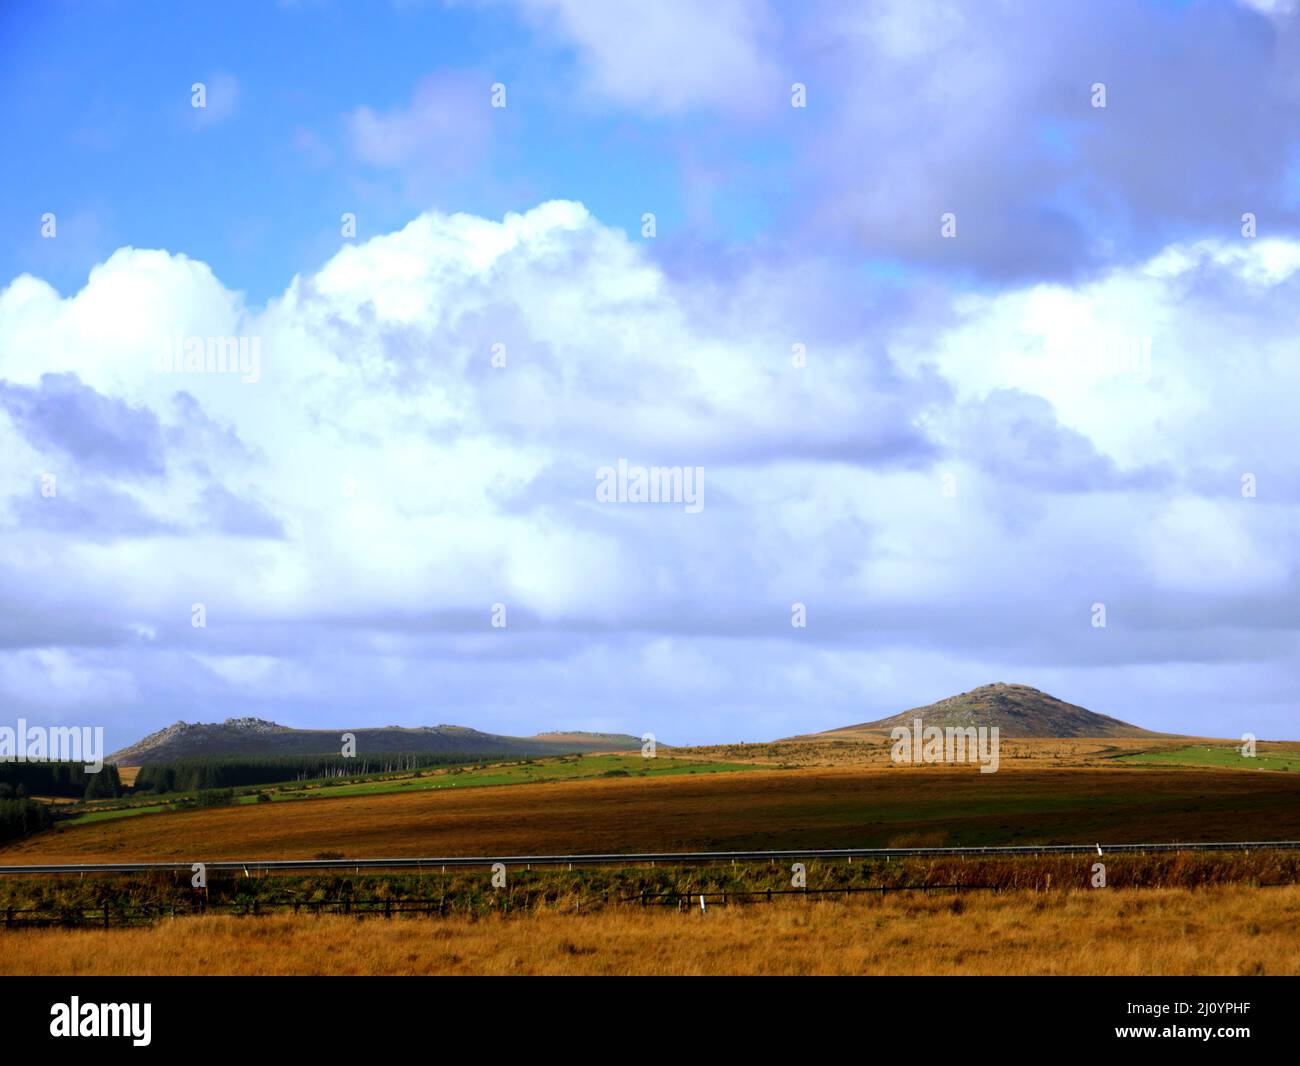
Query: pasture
(518, 772)
(743, 809)
(1268, 757)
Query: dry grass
(1221, 930)
(861, 807)
(871, 748)
(468, 892)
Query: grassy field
(1181, 913)
(538, 771)
(861, 807)
(541, 771)
(1230, 758)
(870, 749)
(1232, 930)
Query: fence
(724, 898)
(146, 914)
(110, 916)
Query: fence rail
(643, 858)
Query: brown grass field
(1195, 914)
(861, 807)
(869, 748)
(1229, 930)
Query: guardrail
(641, 858)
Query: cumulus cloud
(444, 127)
(921, 108)
(927, 108)
(671, 56)
(95, 432)
(423, 441)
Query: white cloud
(1178, 360)
(445, 125)
(416, 485)
(671, 55)
(1277, 8)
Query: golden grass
(871, 748)
(1221, 930)
(861, 807)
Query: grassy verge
(1221, 929)
(471, 892)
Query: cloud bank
(948, 487)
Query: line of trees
(20, 779)
(18, 817)
(234, 771)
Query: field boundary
(108, 916)
(251, 866)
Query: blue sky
(988, 435)
(103, 89)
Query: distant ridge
(255, 736)
(1017, 711)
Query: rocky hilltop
(1017, 711)
(256, 736)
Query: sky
(971, 330)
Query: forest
(220, 772)
(64, 779)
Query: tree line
(18, 817)
(21, 779)
(234, 771)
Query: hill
(1017, 711)
(254, 736)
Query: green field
(108, 813)
(1221, 758)
(540, 771)
(563, 768)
